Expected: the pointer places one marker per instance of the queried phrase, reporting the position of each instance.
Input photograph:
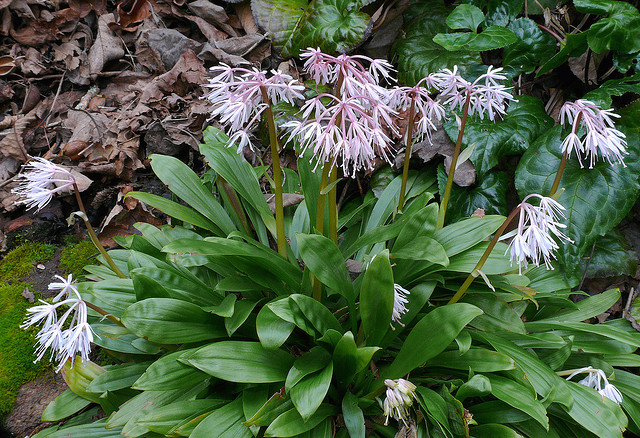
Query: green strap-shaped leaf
(64, 405)
(430, 336)
(353, 416)
(291, 423)
(243, 362)
(325, 261)
(595, 199)
(377, 298)
(168, 373)
(309, 392)
(520, 397)
(596, 413)
(224, 422)
(189, 187)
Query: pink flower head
(426, 110)
(601, 137)
(537, 227)
(238, 97)
(349, 129)
(41, 180)
(63, 343)
(487, 95)
(356, 79)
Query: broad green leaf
(325, 261)
(91, 430)
(489, 195)
(177, 211)
(612, 256)
(434, 405)
(585, 309)
(272, 330)
(418, 54)
(345, 360)
(519, 397)
(430, 336)
(64, 405)
(497, 263)
(533, 47)
(312, 316)
(595, 413)
(276, 405)
(118, 377)
(496, 411)
(189, 187)
(242, 310)
(278, 18)
(524, 122)
(619, 31)
(423, 223)
(423, 248)
(112, 296)
(79, 376)
(499, 316)
(546, 383)
(479, 360)
(595, 199)
(291, 423)
(224, 422)
(171, 321)
(493, 431)
(477, 386)
(574, 46)
(310, 391)
(493, 37)
(465, 17)
(240, 361)
(377, 298)
(353, 416)
(162, 420)
(315, 360)
(502, 12)
(462, 235)
(168, 373)
(606, 330)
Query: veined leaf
(619, 31)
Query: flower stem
(277, 175)
(333, 207)
(485, 256)
(454, 163)
(109, 316)
(563, 162)
(407, 154)
(323, 185)
(93, 236)
(235, 203)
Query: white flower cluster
(537, 227)
(240, 96)
(595, 379)
(400, 302)
(40, 181)
(64, 343)
(601, 137)
(399, 398)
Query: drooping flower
(426, 110)
(349, 130)
(594, 379)
(240, 96)
(64, 344)
(399, 303)
(600, 139)
(40, 180)
(537, 227)
(487, 96)
(399, 398)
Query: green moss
(19, 262)
(74, 257)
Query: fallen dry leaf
(42, 31)
(107, 46)
(32, 64)
(83, 7)
(131, 13)
(7, 64)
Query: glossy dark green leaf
(91, 430)
(434, 405)
(574, 46)
(533, 47)
(310, 391)
(524, 122)
(519, 397)
(312, 316)
(353, 416)
(477, 386)
(418, 54)
(595, 199)
(493, 431)
(493, 37)
(477, 359)
(619, 31)
(489, 195)
(465, 17)
(272, 330)
(240, 361)
(502, 12)
(315, 360)
(243, 309)
(278, 18)
(430, 336)
(224, 422)
(171, 321)
(618, 87)
(291, 423)
(462, 235)
(187, 185)
(345, 360)
(377, 298)
(325, 261)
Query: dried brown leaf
(7, 63)
(107, 46)
(83, 7)
(131, 13)
(42, 31)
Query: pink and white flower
(487, 96)
(537, 227)
(240, 96)
(400, 302)
(41, 180)
(64, 344)
(600, 138)
(399, 398)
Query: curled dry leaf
(131, 13)
(7, 64)
(83, 7)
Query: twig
(626, 312)
(584, 275)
